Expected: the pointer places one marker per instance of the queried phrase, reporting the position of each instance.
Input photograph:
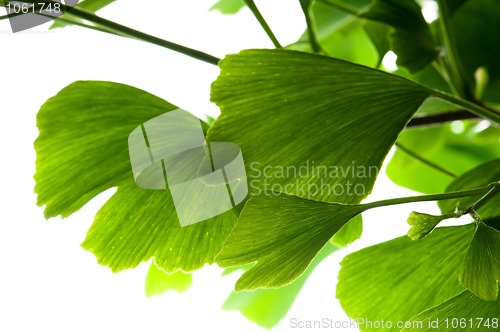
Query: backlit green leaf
(395, 280)
(137, 224)
(292, 111)
(82, 150)
(282, 234)
(480, 272)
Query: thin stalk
(424, 160)
(427, 198)
(263, 23)
(484, 112)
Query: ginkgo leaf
(396, 280)
(349, 233)
(291, 111)
(464, 312)
(158, 282)
(82, 150)
(282, 234)
(480, 272)
(423, 223)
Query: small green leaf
(422, 224)
(349, 233)
(480, 272)
(158, 282)
(375, 282)
(228, 6)
(482, 175)
(465, 312)
(350, 131)
(267, 307)
(282, 234)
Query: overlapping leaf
(82, 151)
(395, 280)
(480, 272)
(267, 307)
(282, 234)
(289, 110)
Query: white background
(49, 283)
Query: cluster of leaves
(315, 100)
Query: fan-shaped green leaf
(480, 272)
(292, 111)
(374, 282)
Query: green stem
(342, 6)
(495, 190)
(124, 31)
(263, 23)
(427, 198)
(452, 64)
(472, 107)
(424, 160)
(311, 26)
